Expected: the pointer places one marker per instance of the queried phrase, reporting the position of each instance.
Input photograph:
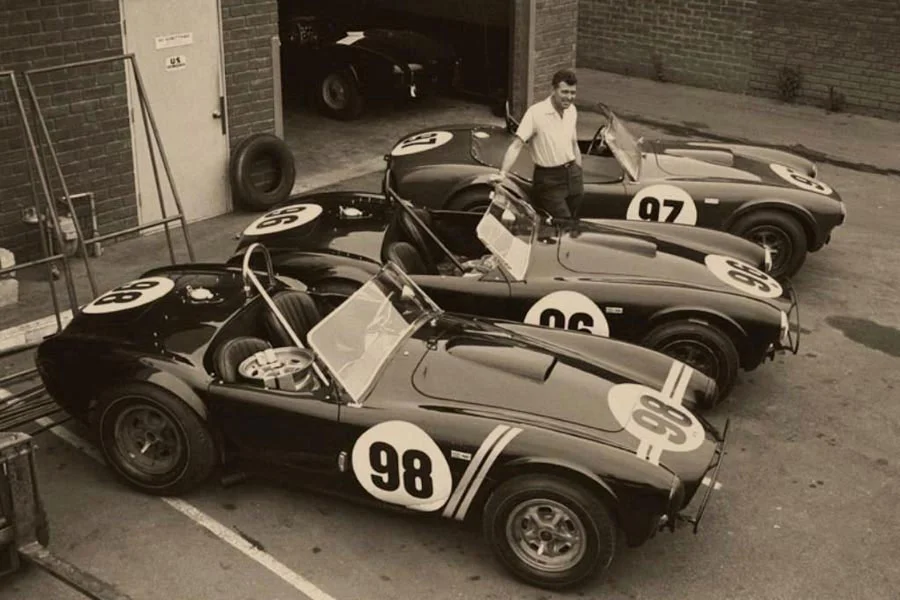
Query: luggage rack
(23, 408)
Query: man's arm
(512, 153)
(575, 141)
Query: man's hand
(497, 177)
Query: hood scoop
(719, 157)
(511, 360)
(693, 165)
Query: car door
(604, 188)
(295, 430)
(407, 447)
(484, 295)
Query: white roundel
(663, 203)
(282, 219)
(421, 142)
(131, 295)
(398, 462)
(568, 310)
(743, 276)
(800, 179)
(659, 422)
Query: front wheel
(339, 95)
(701, 346)
(153, 440)
(549, 532)
(779, 232)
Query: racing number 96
(747, 275)
(662, 419)
(281, 217)
(416, 470)
(126, 293)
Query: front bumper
(712, 475)
(790, 337)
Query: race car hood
(546, 372)
(447, 144)
(342, 222)
(581, 385)
(406, 46)
(594, 249)
(735, 163)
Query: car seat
(408, 258)
(299, 310)
(232, 353)
(418, 238)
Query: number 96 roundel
(398, 462)
(742, 276)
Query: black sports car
(348, 67)
(699, 295)
(768, 196)
(555, 441)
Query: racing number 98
(747, 275)
(662, 419)
(126, 293)
(416, 467)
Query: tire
(680, 339)
(474, 199)
(582, 510)
(778, 229)
(250, 150)
(194, 458)
(338, 95)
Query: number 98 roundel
(397, 462)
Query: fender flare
(161, 378)
(806, 218)
(699, 312)
(483, 180)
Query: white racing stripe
(200, 518)
(492, 437)
(482, 472)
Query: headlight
(815, 171)
(785, 330)
(768, 259)
(676, 496)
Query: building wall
(554, 41)
(742, 45)
(86, 108)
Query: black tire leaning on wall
(250, 150)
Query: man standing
(549, 128)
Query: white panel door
(177, 47)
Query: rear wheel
(548, 531)
(474, 199)
(152, 440)
(339, 95)
(703, 347)
(779, 232)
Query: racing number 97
(747, 275)
(662, 419)
(649, 209)
(126, 293)
(416, 470)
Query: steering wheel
(597, 141)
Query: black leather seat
(420, 239)
(232, 353)
(299, 310)
(409, 259)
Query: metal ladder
(31, 404)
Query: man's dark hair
(564, 75)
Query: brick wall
(853, 45)
(740, 46)
(247, 29)
(556, 26)
(696, 42)
(85, 110)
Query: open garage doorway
(358, 75)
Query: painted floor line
(706, 481)
(222, 532)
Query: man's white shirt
(550, 137)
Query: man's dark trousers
(558, 190)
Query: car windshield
(357, 338)
(508, 230)
(623, 145)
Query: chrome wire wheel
(776, 240)
(546, 535)
(148, 440)
(695, 353)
